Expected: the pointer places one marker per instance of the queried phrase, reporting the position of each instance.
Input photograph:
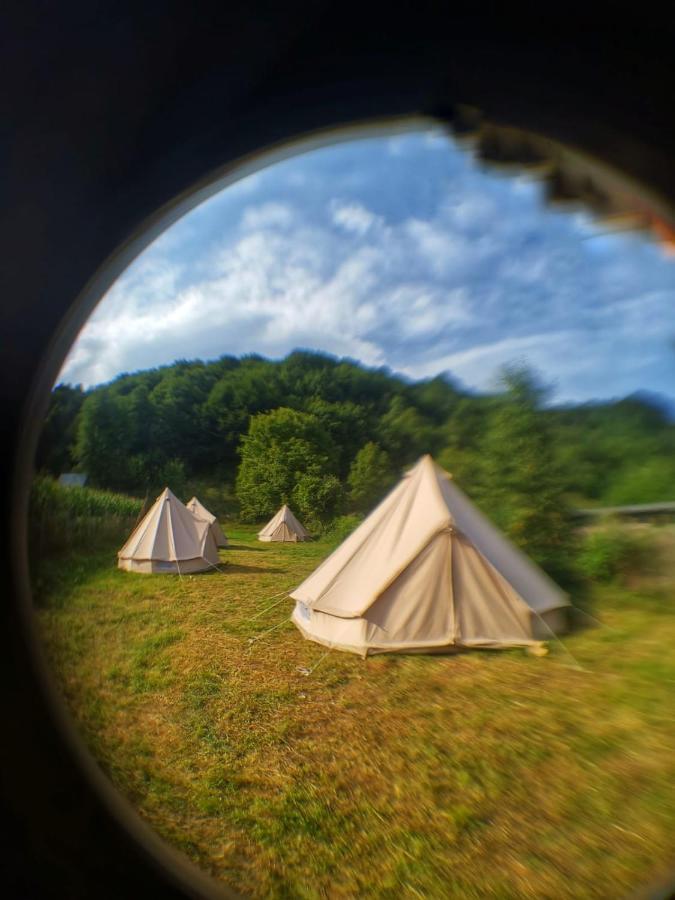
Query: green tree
(56, 448)
(519, 484)
(241, 392)
(102, 442)
(348, 426)
(436, 398)
(282, 448)
(405, 433)
(651, 481)
(462, 435)
(370, 477)
(317, 499)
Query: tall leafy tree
(370, 477)
(280, 451)
(520, 486)
(56, 449)
(405, 433)
(102, 442)
(348, 425)
(317, 498)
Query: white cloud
(443, 251)
(354, 217)
(268, 215)
(466, 274)
(417, 310)
(475, 211)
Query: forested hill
(160, 426)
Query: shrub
(341, 527)
(610, 553)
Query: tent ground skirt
(165, 567)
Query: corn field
(61, 517)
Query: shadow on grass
(239, 547)
(57, 574)
(228, 567)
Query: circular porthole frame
(109, 145)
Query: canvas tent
(169, 539)
(283, 527)
(427, 571)
(201, 512)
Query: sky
(399, 251)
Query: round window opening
(353, 530)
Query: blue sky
(399, 251)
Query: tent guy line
(284, 595)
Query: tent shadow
(227, 567)
(447, 651)
(239, 547)
(580, 620)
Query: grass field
(486, 773)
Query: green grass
(489, 773)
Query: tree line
(329, 436)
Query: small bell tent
(283, 527)
(201, 512)
(427, 571)
(169, 539)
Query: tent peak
(429, 461)
(198, 510)
(428, 464)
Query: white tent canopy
(169, 539)
(283, 527)
(427, 570)
(201, 512)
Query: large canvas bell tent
(169, 539)
(283, 527)
(201, 512)
(427, 571)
